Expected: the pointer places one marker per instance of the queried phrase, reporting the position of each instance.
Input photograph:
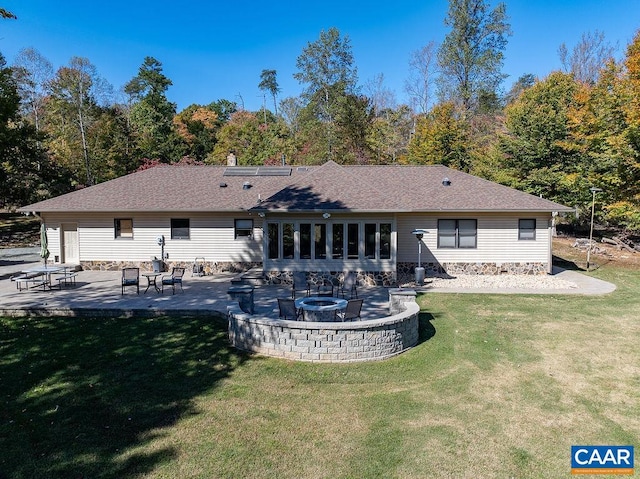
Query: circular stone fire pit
(329, 341)
(320, 308)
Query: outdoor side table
(151, 281)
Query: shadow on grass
(84, 397)
(566, 264)
(426, 329)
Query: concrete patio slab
(99, 293)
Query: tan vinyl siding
(497, 239)
(211, 236)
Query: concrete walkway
(99, 292)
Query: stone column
(397, 298)
(244, 296)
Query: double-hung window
(123, 228)
(457, 233)
(180, 228)
(527, 229)
(243, 228)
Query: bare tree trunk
(85, 149)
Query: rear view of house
(322, 219)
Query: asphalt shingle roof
(330, 186)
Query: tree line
(556, 136)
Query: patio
(99, 293)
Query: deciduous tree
(536, 151)
(326, 68)
(380, 97)
(588, 57)
(197, 126)
(253, 142)
(33, 74)
(389, 135)
(441, 137)
(422, 74)
(26, 175)
(471, 56)
(75, 92)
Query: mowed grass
(500, 386)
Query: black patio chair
(352, 311)
(131, 277)
(173, 279)
(300, 283)
(325, 288)
(349, 285)
(288, 309)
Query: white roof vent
(446, 181)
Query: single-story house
(322, 219)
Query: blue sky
(216, 50)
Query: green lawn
(500, 386)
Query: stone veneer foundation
(209, 267)
(406, 271)
(363, 278)
(335, 342)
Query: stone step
(253, 277)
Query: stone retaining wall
(353, 341)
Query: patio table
(151, 281)
(44, 271)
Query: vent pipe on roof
(446, 181)
(223, 185)
(246, 185)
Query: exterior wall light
(326, 215)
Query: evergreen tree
(152, 113)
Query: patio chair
(131, 277)
(173, 279)
(288, 309)
(352, 311)
(325, 288)
(300, 283)
(349, 285)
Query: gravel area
(497, 282)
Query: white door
(69, 248)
